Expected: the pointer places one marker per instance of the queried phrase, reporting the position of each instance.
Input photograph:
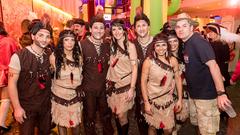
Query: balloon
(157, 18)
(134, 5)
(173, 7)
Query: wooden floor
(228, 127)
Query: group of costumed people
(85, 76)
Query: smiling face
(42, 38)
(97, 30)
(161, 47)
(118, 32)
(142, 28)
(68, 43)
(184, 29)
(173, 41)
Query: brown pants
(96, 101)
(41, 119)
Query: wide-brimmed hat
(183, 16)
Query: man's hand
(20, 115)
(223, 101)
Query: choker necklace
(145, 43)
(94, 42)
(39, 56)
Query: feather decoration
(229, 37)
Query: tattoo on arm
(10, 74)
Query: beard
(39, 44)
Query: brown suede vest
(92, 79)
(141, 59)
(31, 97)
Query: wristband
(220, 93)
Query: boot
(159, 131)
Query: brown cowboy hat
(183, 16)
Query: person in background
(67, 64)
(158, 73)
(69, 25)
(143, 47)
(221, 50)
(203, 76)
(236, 74)
(25, 39)
(7, 48)
(29, 80)
(79, 28)
(176, 51)
(122, 75)
(96, 54)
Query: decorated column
(91, 9)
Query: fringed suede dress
(160, 79)
(119, 73)
(67, 114)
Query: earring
(166, 54)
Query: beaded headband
(67, 35)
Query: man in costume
(143, 48)
(30, 82)
(95, 66)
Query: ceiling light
(233, 2)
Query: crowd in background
(91, 69)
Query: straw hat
(183, 16)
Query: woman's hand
(130, 94)
(147, 108)
(178, 106)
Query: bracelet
(220, 93)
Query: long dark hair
(2, 30)
(59, 51)
(157, 38)
(115, 45)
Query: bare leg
(123, 118)
(5, 104)
(151, 130)
(62, 130)
(167, 132)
